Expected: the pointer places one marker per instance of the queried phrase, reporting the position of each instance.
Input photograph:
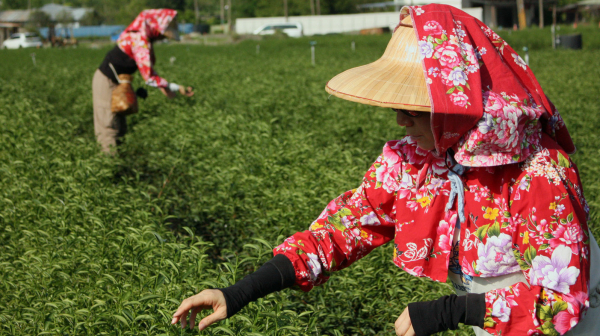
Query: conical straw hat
(395, 80)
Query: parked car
(288, 28)
(22, 40)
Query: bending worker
(133, 51)
(481, 190)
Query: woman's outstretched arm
(357, 222)
(273, 276)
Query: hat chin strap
(457, 187)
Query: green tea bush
(203, 188)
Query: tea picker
(113, 95)
(481, 191)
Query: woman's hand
(170, 94)
(403, 325)
(207, 299)
(186, 91)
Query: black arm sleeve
(275, 275)
(447, 312)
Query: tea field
(204, 187)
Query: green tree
(92, 18)
(39, 19)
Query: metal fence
(102, 31)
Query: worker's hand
(207, 299)
(186, 91)
(170, 94)
(403, 325)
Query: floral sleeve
(350, 227)
(142, 55)
(551, 245)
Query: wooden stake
(541, 5)
(554, 27)
(522, 17)
(229, 22)
(222, 12)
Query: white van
(288, 28)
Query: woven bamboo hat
(395, 80)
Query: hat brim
(395, 80)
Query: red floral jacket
(529, 217)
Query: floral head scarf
(486, 103)
(136, 41)
(152, 22)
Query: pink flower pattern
(503, 235)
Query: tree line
(206, 11)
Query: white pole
(526, 50)
(33, 58)
(258, 49)
(353, 46)
(312, 54)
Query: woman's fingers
(197, 300)
(403, 325)
(193, 316)
(207, 299)
(218, 315)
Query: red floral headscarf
(152, 22)
(136, 41)
(486, 103)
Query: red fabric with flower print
(467, 68)
(524, 204)
(529, 217)
(136, 41)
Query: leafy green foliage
(204, 187)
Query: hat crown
(395, 80)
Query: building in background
(60, 16)
(346, 23)
(504, 13)
(66, 15)
(11, 21)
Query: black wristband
(446, 313)
(275, 275)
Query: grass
(204, 187)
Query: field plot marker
(258, 49)
(312, 52)
(353, 46)
(33, 58)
